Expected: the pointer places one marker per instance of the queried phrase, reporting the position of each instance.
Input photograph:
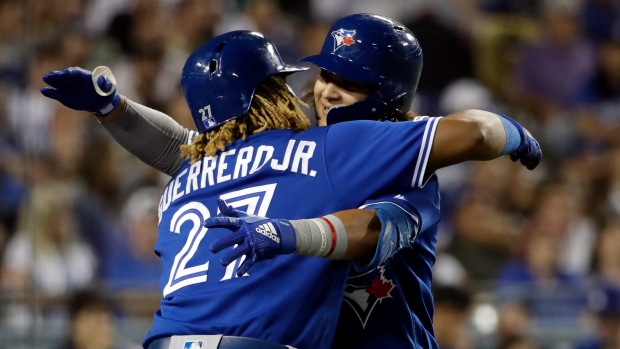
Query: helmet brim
(342, 67)
(290, 69)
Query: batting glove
(75, 88)
(529, 151)
(258, 238)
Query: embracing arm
(480, 135)
(152, 136)
(367, 236)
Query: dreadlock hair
(273, 107)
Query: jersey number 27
(254, 201)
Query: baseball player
(387, 301)
(297, 163)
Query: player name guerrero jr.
(248, 160)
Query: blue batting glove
(229, 211)
(529, 151)
(74, 88)
(258, 238)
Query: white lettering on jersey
(248, 160)
(221, 177)
(176, 194)
(263, 149)
(287, 158)
(192, 177)
(207, 170)
(243, 160)
(303, 157)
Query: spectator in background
(195, 22)
(604, 306)
(450, 319)
(146, 66)
(538, 276)
(607, 256)
(447, 57)
(46, 254)
(99, 197)
(484, 231)
(514, 323)
(91, 322)
(131, 266)
(599, 125)
(266, 16)
(12, 46)
(551, 74)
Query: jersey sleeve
(402, 217)
(152, 136)
(369, 158)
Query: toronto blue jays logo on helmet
(343, 37)
(193, 345)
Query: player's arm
(146, 133)
(402, 218)
(480, 135)
(368, 236)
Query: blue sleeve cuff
(513, 137)
(398, 229)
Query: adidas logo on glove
(269, 231)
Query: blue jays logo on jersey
(193, 345)
(343, 37)
(365, 291)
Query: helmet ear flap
(370, 108)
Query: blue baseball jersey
(391, 306)
(291, 299)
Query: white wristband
(321, 237)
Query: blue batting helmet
(373, 49)
(219, 79)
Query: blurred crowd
(526, 259)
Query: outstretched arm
(480, 135)
(152, 136)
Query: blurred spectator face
(93, 329)
(263, 13)
(610, 60)
(562, 20)
(92, 324)
(141, 215)
(74, 48)
(514, 322)
(12, 19)
(196, 20)
(449, 324)
(178, 109)
(542, 254)
(608, 256)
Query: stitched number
(181, 275)
(254, 201)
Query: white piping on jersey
(427, 144)
(421, 181)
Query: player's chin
(320, 119)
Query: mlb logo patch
(343, 37)
(193, 345)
